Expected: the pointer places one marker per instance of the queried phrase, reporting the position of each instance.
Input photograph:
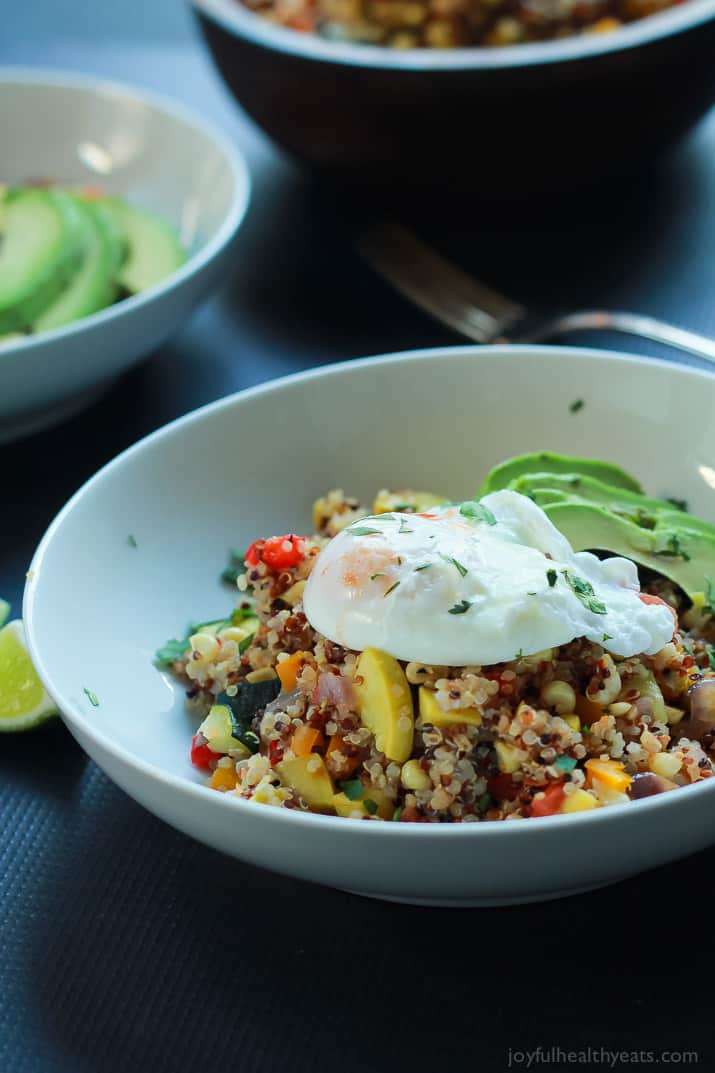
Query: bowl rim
(72, 714)
(237, 19)
(53, 78)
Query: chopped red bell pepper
(278, 552)
(201, 755)
(253, 555)
(503, 788)
(550, 803)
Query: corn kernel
(559, 695)
(665, 764)
(413, 777)
(573, 721)
(205, 645)
(263, 674)
(234, 633)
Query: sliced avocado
(590, 488)
(547, 462)
(41, 249)
(685, 556)
(154, 251)
(644, 511)
(94, 284)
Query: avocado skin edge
(548, 462)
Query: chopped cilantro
(675, 548)
(425, 566)
(396, 814)
(477, 512)
(460, 608)
(711, 657)
(551, 577)
(531, 594)
(584, 591)
(576, 405)
(565, 763)
(132, 541)
(607, 637)
(679, 504)
(245, 643)
(405, 506)
(236, 566)
(485, 802)
(353, 790)
(176, 649)
(585, 730)
(170, 652)
(448, 559)
(361, 530)
(92, 697)
(391, 589)
(520, 654)
(404, 528)
(370, 805)
(373, 576)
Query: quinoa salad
(545, 648)
(453, 23)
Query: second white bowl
(159, 157)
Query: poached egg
(475, 583)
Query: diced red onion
(648, 783)
(702, 702)
(334, 689)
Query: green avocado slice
(41, 248)
(684, 555)
(94, 284)
(591, 488)
(154, 251)
(546, 462)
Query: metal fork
(481, 314)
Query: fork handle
(630, 324)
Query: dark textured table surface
(124, 946)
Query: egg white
(445, 589)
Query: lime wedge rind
(24, 703)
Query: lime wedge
(23, 701)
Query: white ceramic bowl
(160, 157)
(96, 607)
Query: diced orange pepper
(288, 670)
(610, 772)
(223, 778)
(588, 711)
(350, 763)
(305, 739)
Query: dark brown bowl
(560, 110)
